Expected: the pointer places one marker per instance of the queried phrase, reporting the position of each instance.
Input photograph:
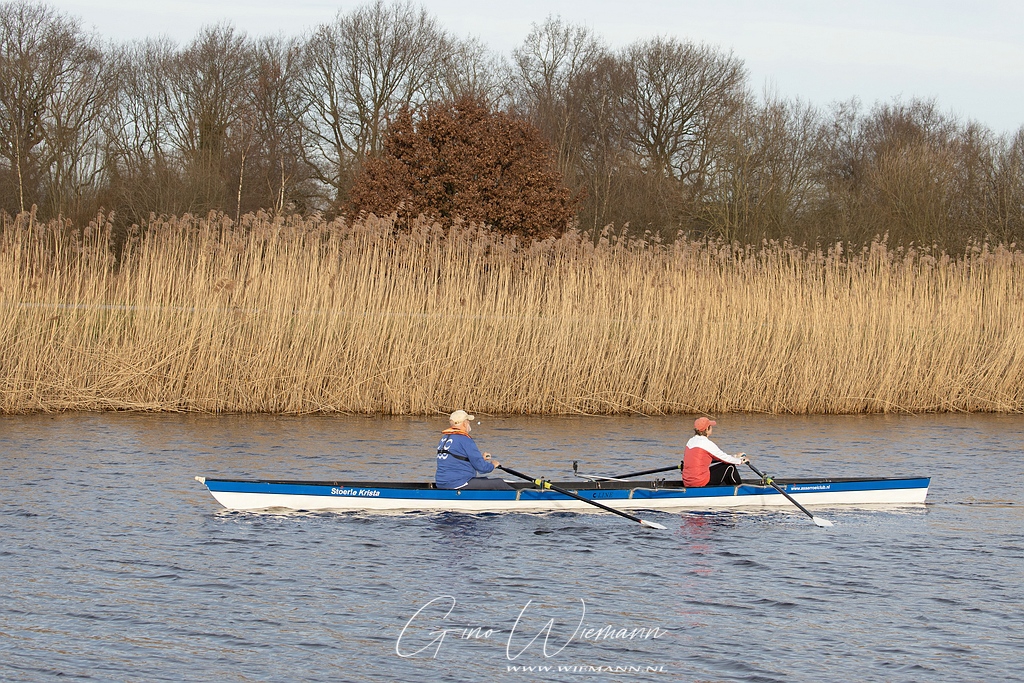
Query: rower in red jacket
(704, 463)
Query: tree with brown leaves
(463, 161)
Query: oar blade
(817, 520)
(653, 525)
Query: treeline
(661, 138)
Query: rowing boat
(257, 494)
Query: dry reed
(282, 315)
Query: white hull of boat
(355, 498)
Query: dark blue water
(117, 565)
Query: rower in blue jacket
(459, 461)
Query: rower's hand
(487, 457)
(744, 459)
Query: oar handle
(537, 482)
(758, 472)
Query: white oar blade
(821, 522)
(653, 525)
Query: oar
(768, 480)
(640, 474)
(575, 463)
(544, 484)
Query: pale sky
(969, 57)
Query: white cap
(460, 416)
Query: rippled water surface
(117, 565)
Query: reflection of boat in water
(240, 494)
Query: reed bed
(285, 315)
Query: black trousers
(723, 474)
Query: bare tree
(144, 171)
(606, 168)
(215, 125)
(548, 69)
(891, 171)
(470, 71)
(1006, 197)
(49, 73)
(681, 96)
(765, 176)
(73, 134)
(361, 70)
(210, 81)
(281, 177)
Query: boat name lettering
(810, 487)
(335, 491)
